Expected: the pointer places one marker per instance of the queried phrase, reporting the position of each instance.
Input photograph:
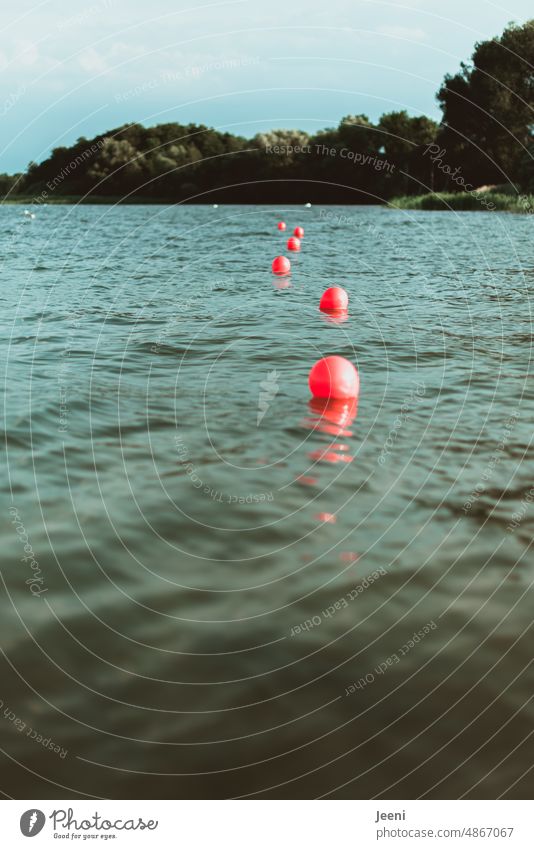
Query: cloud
(25, 54)
(92, 61)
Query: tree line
(486, 137)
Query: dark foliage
(356, 162)
(488, 116)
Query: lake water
(222, 581)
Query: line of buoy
(331, 378)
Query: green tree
(403, 140)
(488, 108)
(10, 184)
(285, 141)
(119, 164)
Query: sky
(70, 69)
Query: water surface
(223, 581)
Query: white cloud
(92, 61)
(25, 54)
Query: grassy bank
(487, 201)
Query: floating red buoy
(334, 377)
(334, 298)
(293, 244)
(299, 232)
(326, 517)
(349, 556)
(281, 225)
(281, 265)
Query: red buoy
(281, 225)
(326, 517)
(281, 265)
(299, 232)
(334, 298)
(334, 377)
(293, 244)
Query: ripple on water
(183, 536)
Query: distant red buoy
(326, 517)
(281, 225)
(299, 232)
(334, 377)
(293, 244)
(334, 298)
(281, 265)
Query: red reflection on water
(281, 283)
(335, 316)
(332, 416)
(306, 480)
(349, 556)
(324, 455)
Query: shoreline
(432, 201)
(481, 201)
